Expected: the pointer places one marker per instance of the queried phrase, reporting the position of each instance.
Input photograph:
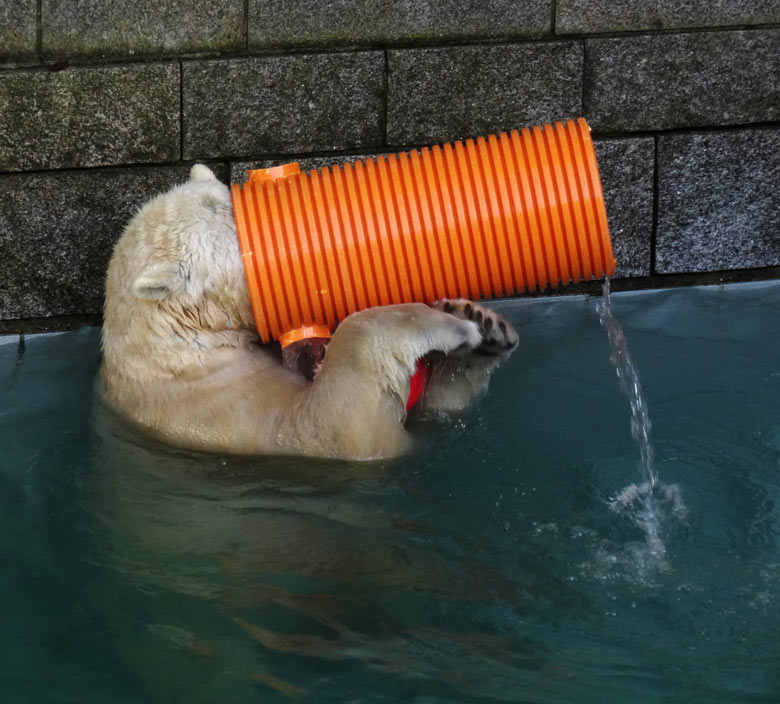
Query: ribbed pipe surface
(482, 218)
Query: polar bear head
(176, 283)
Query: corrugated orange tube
(482, 218)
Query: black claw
(502, 326)
(488, 324)
(469, 311)
(447, 307)
(479, 316)
(486, 351)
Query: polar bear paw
(498, 335)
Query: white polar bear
(181, 356)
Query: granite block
(283, 104)
(582, 16)
(89, 117)
(440, 94)
(290, 23)
(626, 167)
(682, 80)
(109, 29)
(57, 231)
(17, 31)
(718, 201)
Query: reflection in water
(258, 569)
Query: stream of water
(650, 501)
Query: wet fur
(182, 359)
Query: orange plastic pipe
(483, 218)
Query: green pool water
(488, 566)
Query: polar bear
(181, 356)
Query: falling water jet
(641, 500)
(629, 385)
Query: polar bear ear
(157, 281)
(201, 172)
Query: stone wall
(103, 104)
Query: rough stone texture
(626, 167)
(89, 117)
(454, 92)
(57, 231)
(683, 80)
(283, 104)
(718, 202)
(575, 16)
(286, 23)
(104, 29)
(17, 31)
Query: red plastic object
(417, 383)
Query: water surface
(489, 566)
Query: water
(488, 566)
(628, 378)
(639, 502)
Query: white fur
(181, 355)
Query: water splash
(648, 502)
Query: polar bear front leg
(456, 380)
(384, 343)
(356, 405)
